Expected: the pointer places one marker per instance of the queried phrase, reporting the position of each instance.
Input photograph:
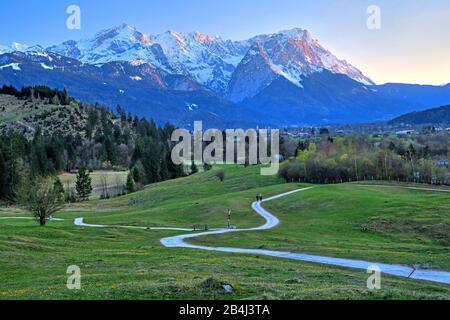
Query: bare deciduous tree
(40, 197)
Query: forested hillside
(45, 132)
(432, 116)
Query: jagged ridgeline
(45, 131)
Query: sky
(412, 45)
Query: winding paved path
(271, 222)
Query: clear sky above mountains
(412, 46)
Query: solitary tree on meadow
(41, 196)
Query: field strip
(28, 218)
(403, 187)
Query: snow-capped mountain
(121, 43)
(15, 46)
(291, 54)
(4, 49)
(285, 78)
(209, 60)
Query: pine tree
(58, 187)
(83, 184)
(65, 98)
(136, 172)
(2, 175)
(130, 186)
(152, 163)
(55, 100)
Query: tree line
(44, 93)
(361, 157)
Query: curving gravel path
(271, 222)
(79, 223)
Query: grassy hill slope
(377, 223)
(132, 264)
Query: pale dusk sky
(412, 46)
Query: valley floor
(391, 225)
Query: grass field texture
(386, 224)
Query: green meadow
(383, 224)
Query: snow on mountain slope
(121, 43)
(208, 60)
(4, 49)
(288, 70)
(15, 46)
(13, 66)
(278, 79)
(211, 61)
(291, 54)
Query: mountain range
(281, 79)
